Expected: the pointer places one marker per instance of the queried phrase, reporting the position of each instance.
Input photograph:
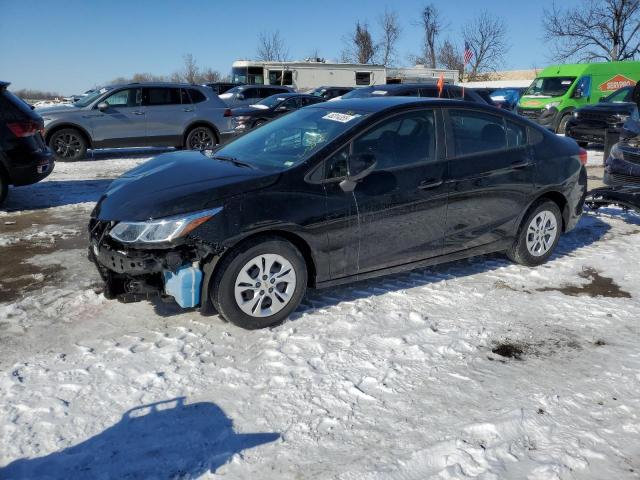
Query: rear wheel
(260, 283)
(201, 138)
(4, 186)
(68, 145)
(538, 236)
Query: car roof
(152, 84)
(375, 104)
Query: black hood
(176, 183)
(609, 108)
(250, 111)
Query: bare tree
(271, 48)
(191, 71)
(450, 57)
(432, 26)
(176, 77)
(390, 25)
(486, 36)
(606, 30)
(359, 46)
(210, 75)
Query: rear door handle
(430, 183)
(138, 113)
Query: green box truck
(559, 89)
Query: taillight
(583, 156)
(24, 129)
(227, 112)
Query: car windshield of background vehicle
(271, 101)
(550, 86)
(89, 99)
(505, 95)
(292, 139)
(358, 93)
(620, 96)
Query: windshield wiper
(233, 160)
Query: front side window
(363, 78)
(476, 132)
(129, 97)
(583, 88)
(291, 104)
(404, 139)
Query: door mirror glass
(240, 96)
(102, 106)
(360, 166)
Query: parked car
(329, 92)
(222, 87)
(250, 94)
(24, 156)
(429, 90)
(507, 98)
(590, 123)
(485, 93)
(622, 167)
(333, 193)
(150, 114)
(246, 118)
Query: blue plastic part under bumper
(184, 285)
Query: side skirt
(498, 246)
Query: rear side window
(161, 96)
(255, 93)
(196, 95)
(516, 134)
(477, 132)
(184, 96)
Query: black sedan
(333, 193)
(246, 118)
(24, 156)
(589, 123)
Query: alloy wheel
(201, 139)
(541, 233)
(67, 145)
(265, 285)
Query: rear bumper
(25, 171)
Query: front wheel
(201, 138)
(538, 236)
(562, 126)
(260, 283)
(68, 145)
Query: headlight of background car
(621, 117)
(551, 105)
(161, 230)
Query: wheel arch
(200, 123)
(83, 131)
(556, 197)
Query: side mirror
(102, 106)
(240, 96)
(359, 167)
(282, 108)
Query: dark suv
(333, 193)
(429, 90)
(24, 157)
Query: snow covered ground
(477, 369)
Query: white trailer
(308, 75)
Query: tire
(236, 285)
(68, 145)
(562, 126)
(4, 186)
(200, 138)
(538, 235)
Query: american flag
(468, 54)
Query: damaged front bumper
(133, 273)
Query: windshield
(619, 96)
(290, 140)
(91, 97)
(271, 101)
(550, 86)
(234, 90)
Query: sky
(68, 46)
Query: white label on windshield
(566, 82)
(340, 117)
(379, 92)
(103, 90)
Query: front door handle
(430, 183)
(188, 110)
(138, 113)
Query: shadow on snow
(168, 439)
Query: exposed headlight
(621, 117)
(551, 105)
(161, 230)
